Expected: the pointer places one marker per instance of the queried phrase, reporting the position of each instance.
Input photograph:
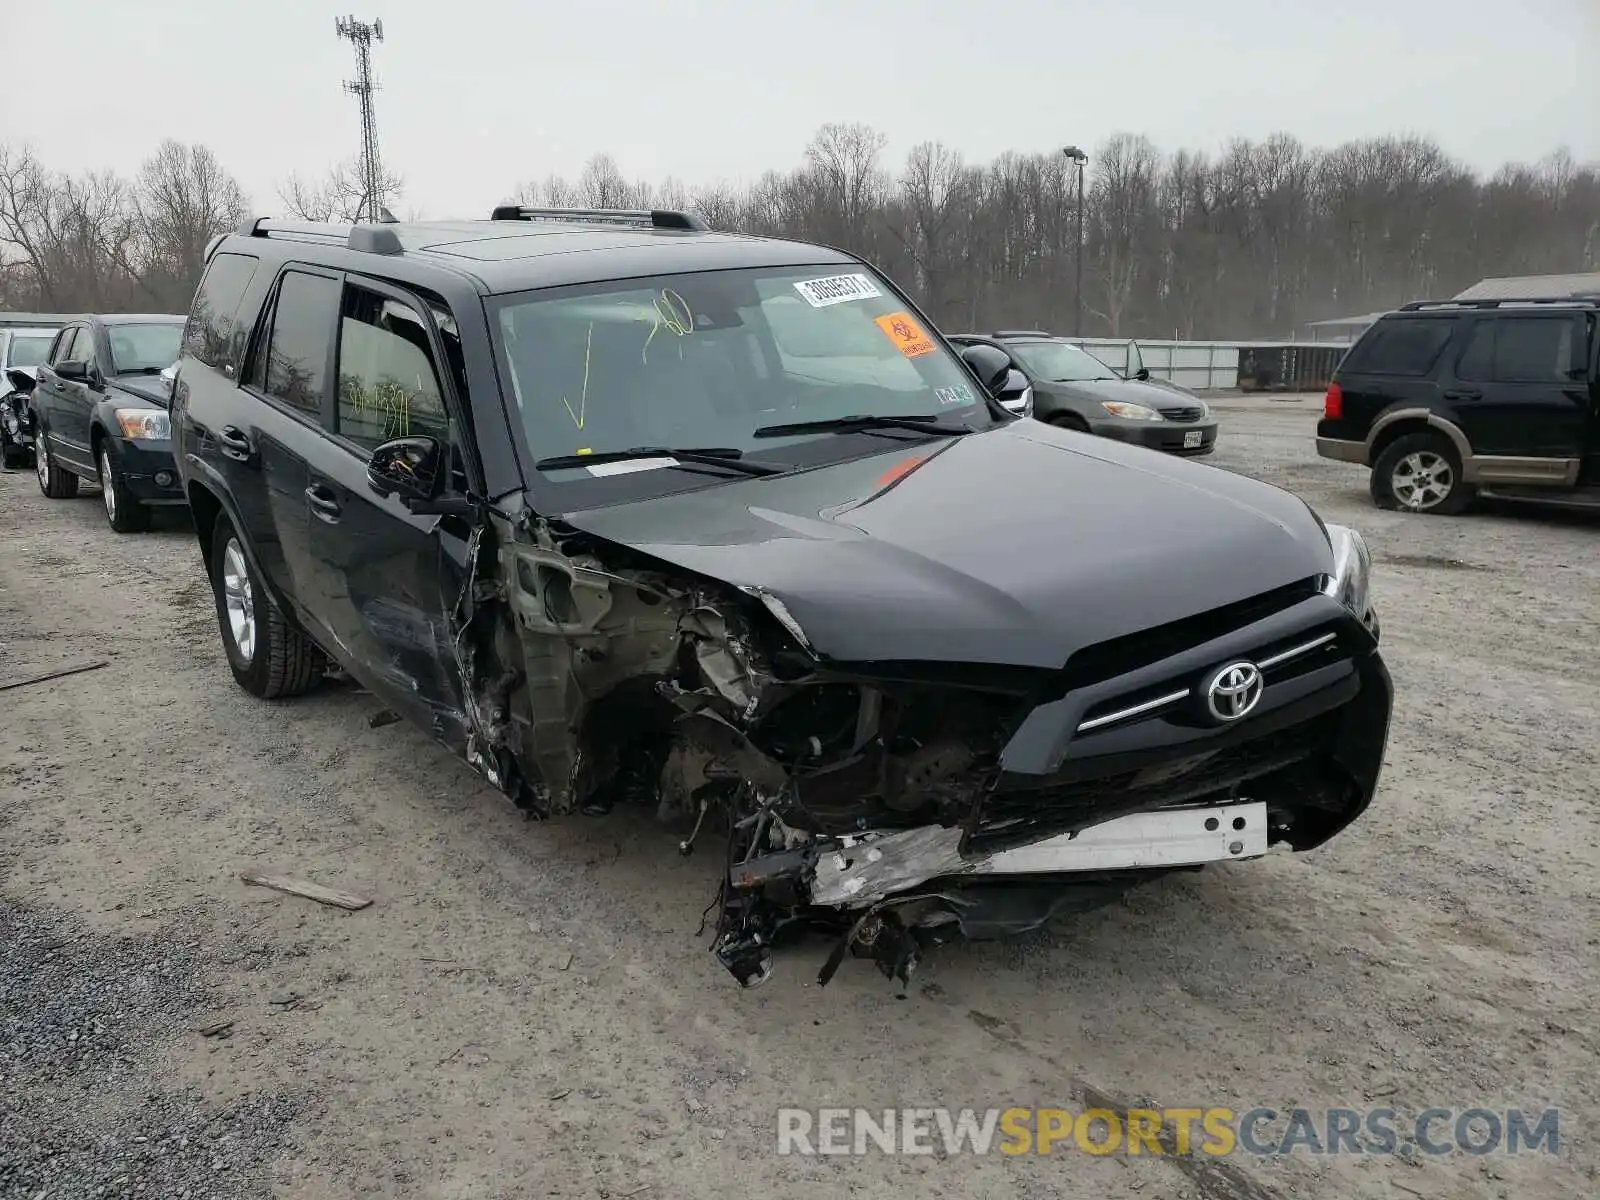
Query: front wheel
(123, 510)
(269, 656)
(54, 482)
(1069, 420)
(1421, 472)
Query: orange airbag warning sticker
(906, 334)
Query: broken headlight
(1352, 570)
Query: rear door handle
(1463, 395)
(324, 504)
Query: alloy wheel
(239, 599)
(1422, 480)
(108, 488)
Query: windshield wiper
(141, 370)
(710, 456)
(864, 423)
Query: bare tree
(339, 196)
(183, 199)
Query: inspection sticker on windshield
(836, 289)
(906, 334)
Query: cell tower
(361, 36)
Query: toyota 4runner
(629, 512)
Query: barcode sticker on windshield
(837, 289)
(628, 466)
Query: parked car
(100, 406)
(24, 341)
(626, 511)
(1447, 400)
(1073, 389)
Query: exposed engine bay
(847, 802)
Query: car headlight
(146, 424)
(1130, 412)
(1352, 570)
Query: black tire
(54, 480)
(1069, 420)
(11, 454)
(1421, 472)
(279, 660)
(123, 509)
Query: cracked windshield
(706, 360)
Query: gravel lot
(526, 1009)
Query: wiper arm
(711, 456)
(865, 423)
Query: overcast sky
(481, 94)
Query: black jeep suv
(1445, 400)
(626, 511)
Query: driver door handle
(1463, 394)
(235, 444)
(324, 504)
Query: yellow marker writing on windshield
(671, 310)
(583, 398)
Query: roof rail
(650, 218)
(368, 239)
(374, 239)
(1021, 333)
(1577, 298)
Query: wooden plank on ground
(337, 897)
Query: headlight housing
(1352, 570)
(145, 424)
(1130, 412)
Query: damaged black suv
(629, 512)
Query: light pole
(1077, 157)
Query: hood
(1015, 546)
(1126, 391)
(150, 389)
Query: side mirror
(992, 366)
(1142, 374)
(407, 467)
(20, 380)
(72, 368)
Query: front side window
(1059, 362)
(303, 321)
(84, 349)
(708, 359)
(144, 349)
(388, 384)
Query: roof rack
(999, 333)
(368, 239)
(649, 218)
(1578, 298)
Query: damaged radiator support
(591, 682)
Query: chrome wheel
(41, 462)
(108, 489)
(238, 597)
(1422, 480)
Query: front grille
(1182, 414)
(1015, 816)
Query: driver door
(389, 579)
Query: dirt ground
(526, 1009)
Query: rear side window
(302, 336)
(1523, 350)
(213, 335)
(1407, 346)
